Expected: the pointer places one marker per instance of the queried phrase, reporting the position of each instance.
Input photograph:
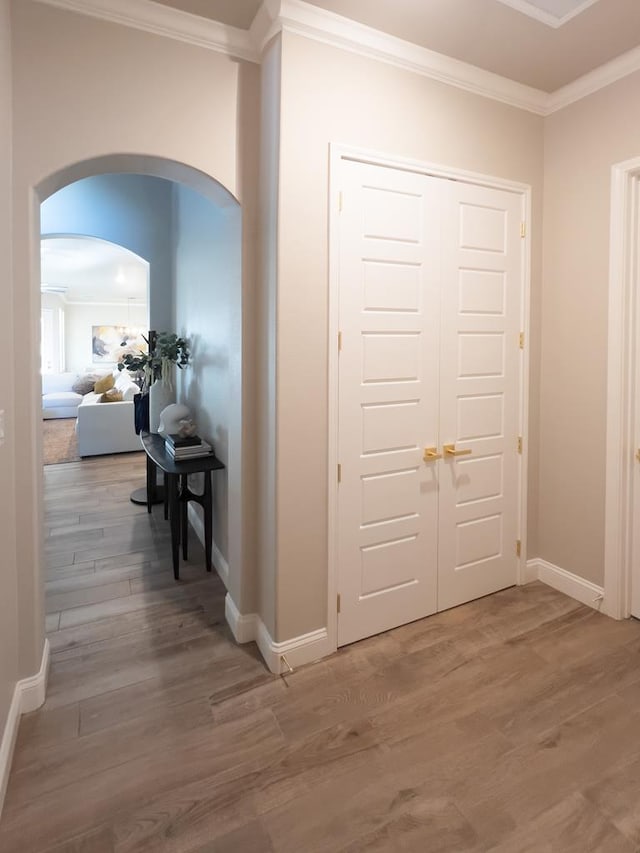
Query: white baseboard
(28, 695)
(33, 690)
(298, 650)
(249, 627)
(530, 571)
(222, 567)
(572, 585)
(8, 743)
(243, 627)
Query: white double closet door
(430, 274)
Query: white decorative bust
(170, 418)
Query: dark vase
(141, 413)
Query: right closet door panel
(482, 269)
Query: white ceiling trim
(622, 66)
(166, 21)
(303, 19)
(544, 17)
(266, 25)
(296, 16)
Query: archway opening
(194, 290)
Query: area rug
(59, 441)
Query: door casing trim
(337, 154)
(622, 335)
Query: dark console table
(178, 494)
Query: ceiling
(496, 35)
(88, 270)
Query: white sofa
(58, 398)
(108, 427)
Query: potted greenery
(155, 371)
(165, 349)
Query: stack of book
(189, 447)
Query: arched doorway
(204, 186)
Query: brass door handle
(450, 450)
(638, 455)
(431, 454)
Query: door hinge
(340, 202)
(523, 228)
(339, 341)
(519, 444)
(518, 547)
(338, 603)
(339, 473)
(521, 340)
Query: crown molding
(166, 21)
(265, 25)
(303, 19)
(546, 17)
(300, 18)
(623, 65)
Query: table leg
(207, 506)
(151, 482)
(174, 520)
(184, 505)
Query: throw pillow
(104, 383)
(126, 385)
(84, 384)
(111, 396)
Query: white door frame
(622, 336)
(338, 153)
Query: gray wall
(171, 107)
(329, 95)
(582, 143)
(8, 562)
(266, 295)
(192, 101)
(207, 300)
(133, 211)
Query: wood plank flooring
(510, 724)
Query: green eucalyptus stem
(156, 365)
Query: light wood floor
(510, 724)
